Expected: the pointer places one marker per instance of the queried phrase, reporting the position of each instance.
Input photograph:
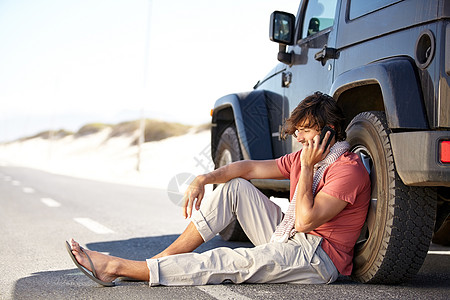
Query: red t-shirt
(348, 180)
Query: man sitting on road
(312, 243)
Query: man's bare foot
(105, 266)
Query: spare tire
(395, 239)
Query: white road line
(50, 202)
(437, 252)
(221, 292)
(93, 226)
(28, 190)
(15, 183)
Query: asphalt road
(39, 211)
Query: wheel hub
(367, 161)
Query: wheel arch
(378, 86)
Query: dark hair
(317, 111)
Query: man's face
(305, 132)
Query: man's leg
(188, 241)
(257, 215)
(108, 267)
(300, 260)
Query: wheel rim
(369, 225)
(225, 158)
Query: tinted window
(363, 7)
(319, 15)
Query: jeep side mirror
(282, 27)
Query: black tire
(228, 150)
(441, 234)
(395, 239)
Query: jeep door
(313, 64)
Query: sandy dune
(98, 157)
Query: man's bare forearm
(246, 169)
(305, 200)
(196, 190)
(224, 174)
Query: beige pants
(299, 260)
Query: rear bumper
(416, 156)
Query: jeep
(387, 64)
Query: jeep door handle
(325, 53)
(286, 79)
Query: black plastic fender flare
(251, 120)
(398, 80)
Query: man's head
(315, 112)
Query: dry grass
(48, 134)
(203, 127)
(158, 130)
(124, 129)
(91, 128)
(155, 130)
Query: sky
(68, 63)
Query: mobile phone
(322, 135)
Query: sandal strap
(90, 262)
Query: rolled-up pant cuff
(202, 226)
(153, 268)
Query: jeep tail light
(445, 151)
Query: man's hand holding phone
(316, 149)
(330, 138)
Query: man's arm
(310, 211)
(247, 169)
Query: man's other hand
(193, 194)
